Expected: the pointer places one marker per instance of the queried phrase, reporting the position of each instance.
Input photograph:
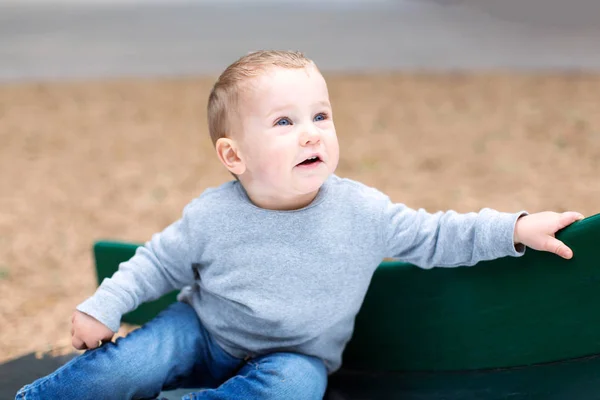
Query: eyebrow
(279, 110)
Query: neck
(282, 203)
(269, 201)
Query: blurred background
(447, 104)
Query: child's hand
(87, 332)
(537, 231)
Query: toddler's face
(288, 139)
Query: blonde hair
(224, 97)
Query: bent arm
(163, 264)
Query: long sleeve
(163, 264)
(448, 239)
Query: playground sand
(81, 161)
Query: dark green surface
(501, 313)
(567, 380)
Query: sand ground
(119, 159)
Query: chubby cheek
(333, 151)
(274, 164)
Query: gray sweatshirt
(264, 281)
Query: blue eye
(283, 122)
(320, 117)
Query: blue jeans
(175, 351)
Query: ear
(229, 155)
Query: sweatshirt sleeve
(448, 239)
(163, 264)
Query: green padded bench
(515, 328)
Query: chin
(310, 185)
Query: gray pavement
(49, 40)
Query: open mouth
(310, 161)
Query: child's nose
(310, 135)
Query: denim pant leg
(287, 376)
(173, 350)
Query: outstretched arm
(448, 239)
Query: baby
(273, 265)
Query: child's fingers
(107, 337)
(78, 343)
(567, 218)
(557, 247)
(91, 344)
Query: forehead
(278, 87)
